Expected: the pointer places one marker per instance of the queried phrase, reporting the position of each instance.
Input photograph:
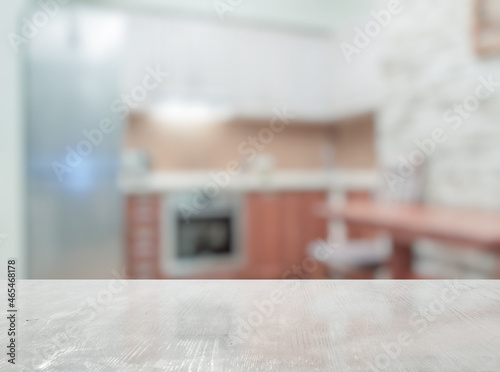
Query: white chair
(354, 259)
(365, 258)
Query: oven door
(207, 236)
(202, 235)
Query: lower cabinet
(279, 228)
(142, 236)
(276, 230)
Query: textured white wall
(428, 66)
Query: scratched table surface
(256, 326)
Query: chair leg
(401, 261)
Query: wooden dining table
(255, 326)
(406, 223)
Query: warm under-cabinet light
(190, 113)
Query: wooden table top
(479, 228)
(257, 326)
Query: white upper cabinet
(248, 70)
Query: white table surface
(236, 326)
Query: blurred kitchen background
(205, 138)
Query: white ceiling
(320, 15)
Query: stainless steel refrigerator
(74, 206)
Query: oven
(202, 235)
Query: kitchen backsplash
(298, 146)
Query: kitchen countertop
(257, 326)
(161, 182)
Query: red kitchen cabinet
(292, 228)
(279, 227)
(142, 236)
(263, 235)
